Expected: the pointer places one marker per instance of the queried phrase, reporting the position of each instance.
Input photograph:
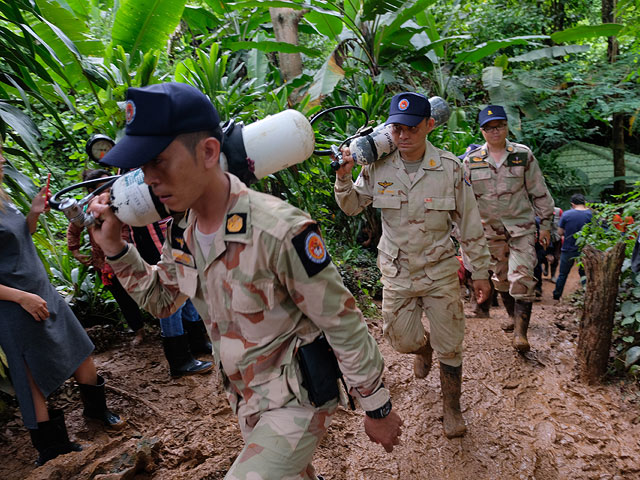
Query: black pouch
(320, 371)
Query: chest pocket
(248, 298)
(480, 180)
(187, 280)
(387, 201)
(437, 212)
(514, 178)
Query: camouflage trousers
(281, 444)
(512, 262)
(402, 310)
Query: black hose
(325, 153)
(108, 181)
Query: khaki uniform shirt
(417, 217)
(266, 287)
(510, 196)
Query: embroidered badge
(477, 159)
(467, 180)
(490, 112)
(311, 250)
(517, 159)
(130, 111)
(385, 184)
(183, 258)
(403, 104)
(236, 223)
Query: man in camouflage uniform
(421, 191)
(510, 190)
(257, 270)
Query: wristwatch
(381, 412)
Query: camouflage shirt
(417, 216)
(267, 287)
(513, 194)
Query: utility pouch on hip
(320, 371)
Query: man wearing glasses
(421, 191)
(510, 189)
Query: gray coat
(52, 349)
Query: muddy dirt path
(527, 417)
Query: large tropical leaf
(587, 31)
(270, 46)
(550, 52)
(485, 49)
(22, 124)
(326, 78)
(142, 25)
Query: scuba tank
(378, 143)
(249, 152)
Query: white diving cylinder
(134, 203)
(267, 146)
(379, 143)
(250, 152)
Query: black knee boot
(51, 438)
(181, 362)
(198, 337)
(95, 405)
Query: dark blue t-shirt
(572, 222)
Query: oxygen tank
(250, 152)
(379, 143)
(133, 201)
(267, 146)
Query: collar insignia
(235, 223)
(432, 163)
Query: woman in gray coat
(41, 337)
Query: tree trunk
(603, 278)
(285, 27)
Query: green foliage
(602, 234)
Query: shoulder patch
(236, 223)
(311, 250)
(517, 159)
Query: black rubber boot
(451, 384)
(198, 337)
(95, 405)
(181, 362)
(51, 438)
(509, 302)
(522, 318)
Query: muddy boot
(509, 302)
(199, 343)
(181, 362)
(51, 438)
(522, 317)
(95, 405)
(423, 359)
(451, 383)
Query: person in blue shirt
(571, 223)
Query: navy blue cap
(155, 116)
(492, 112)
(472, 146)
(409, 109)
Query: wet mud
(528, 417)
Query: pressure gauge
(98, 146)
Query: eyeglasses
(397, 129)
(497, 128)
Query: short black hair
(578, 199)
(191, 140)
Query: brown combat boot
(422, 361)
(451, 384)
(522, 316)
(509, 304)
